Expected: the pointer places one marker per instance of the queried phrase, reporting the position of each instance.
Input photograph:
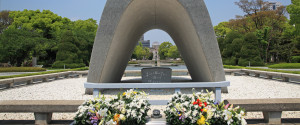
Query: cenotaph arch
(123, 22)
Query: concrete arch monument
(123, 22)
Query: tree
(173, 52)
(232, 48)
(221, 42)
(256, 12)
(163, 49)
(286, 45)
(252, 6)
(268, 25)
(294, 11)
(45, 22)
(50, 25)
(228, 50)
(68, 53)
(222, 29)
(17, 45)
(50, 29)
(141, 52)
(250, 52)
(85, 31)
(241, 24)
(5, 20)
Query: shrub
(229, 61)
(253, 62)
(178, 62)
(60, 64)
(21, 69)
(133, 62)
(295, 59)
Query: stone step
(157, 123)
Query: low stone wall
(12, 82)
(271, 108)
(43, 109)
(285, 77)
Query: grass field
(270, 70)
(285, 66)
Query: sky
(219, 10)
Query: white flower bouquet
(131, 107)
(200, 109)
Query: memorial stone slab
(156, 75)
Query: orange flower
(116, 118)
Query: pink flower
(227, 106)
(94, 117)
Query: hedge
(229, 61)
(60, 64)
(133, 62)
(295, 59)
(253, 62)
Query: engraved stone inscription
(156, 75)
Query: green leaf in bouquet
(194, 93)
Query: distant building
(145, 43)
(273, 5)
(155, 45)
(154, 50)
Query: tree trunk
(267, 52)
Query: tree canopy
(274, 33)
(163, 49)
(294, 10)
(68, 52)
(5, 20)
(17, 44)
(141, 52)
(46, 31)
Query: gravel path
(242, 87)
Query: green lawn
(285, 66)
(270, 70)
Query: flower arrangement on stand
(128, 108)
(200, 109)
